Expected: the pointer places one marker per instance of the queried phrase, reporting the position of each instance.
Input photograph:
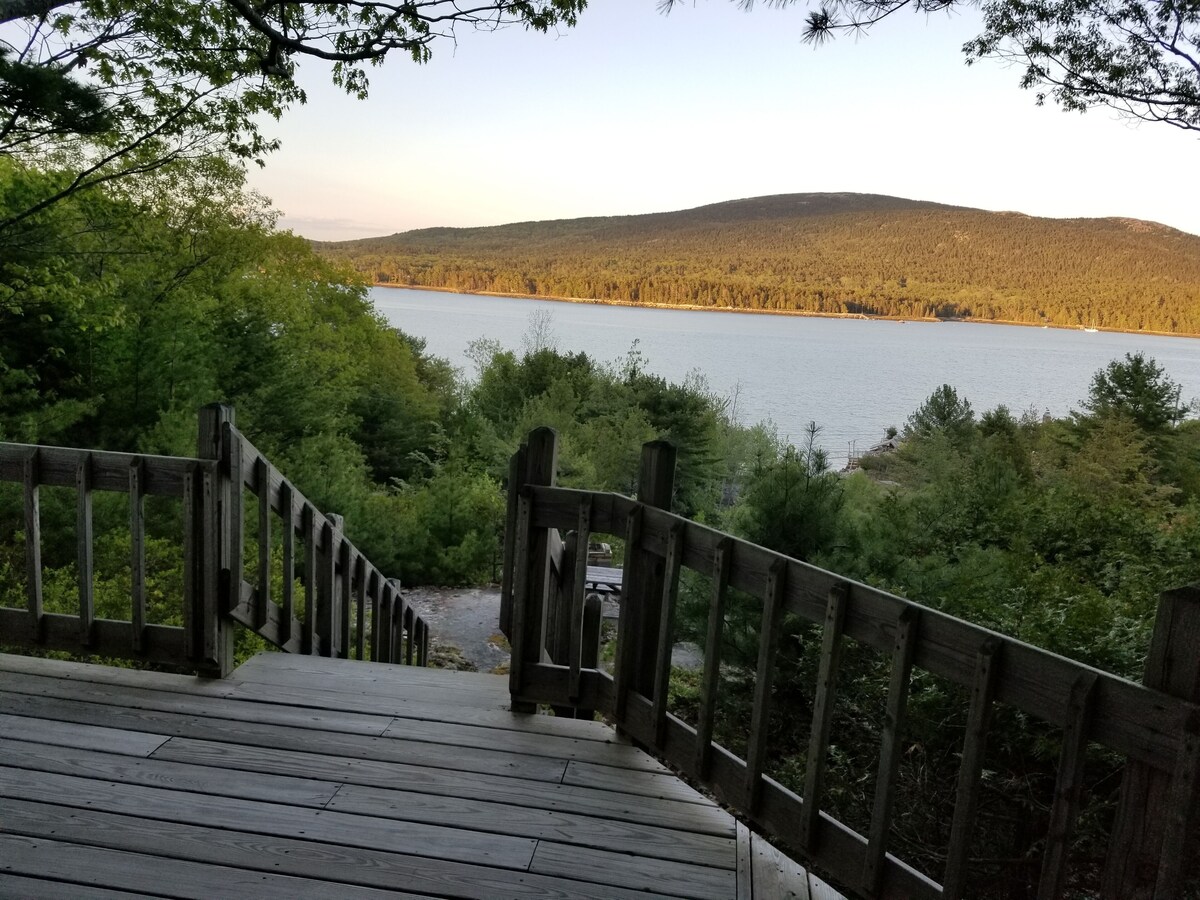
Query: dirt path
(465, 618)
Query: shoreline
(691, 307)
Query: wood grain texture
(776, 876)
(378, 868)
(212, 790)
(141, 873)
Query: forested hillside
(821, 253)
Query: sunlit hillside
(828, 253)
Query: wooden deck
(307, 777)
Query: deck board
(304, 777)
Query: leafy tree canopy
(1138, 388)
(1140, 57)
(944, 412)
(121, 87)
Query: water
(853, 377)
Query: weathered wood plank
(711, 680)
(226, 707)
(635, 872)
(906, 632)
(1067, 789)
(262, 487)
(330, 865)
(145, 874)
(84, 549)
(616, 755)
(822, 716)
(1179, 815)
(287, 608)
(14, 886)
(970, 772)
(157, 804)
(308, 527)
(1135, 846)
(632, 577)
(583, 531)
(257, 734)
(776, 876)
(160, 643)
(705, 818)
(33, 542)
(137, 543)
(760, 716)
(666, 630)
(155, 772)
(628, 781)
(745, 864)
(562, 826)
(86, 737)
(110, 471)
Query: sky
(634, 111)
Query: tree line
(833, 254)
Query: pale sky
(635, 112)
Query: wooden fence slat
(406, 616)
(192, 578)
(1135, 851)
(237, 531)
(516, 473)
(345, 599)
(592, 623)
(583, 532)
(85, 549)
(308, 524)
(288, 553)
(137, 550)
(656, 487)
(373, 579)
(1067, 788)
(1176, 856)
(211, 569)
(710, 684)
(970, 770)
(360, 606)
(262, 485)
(822, 716)
(326, 595)
(760, 715)
(907, 625)
(666, 632)
(33, 541)
(520, 594)
(630, 588)
(383, 626)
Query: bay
(853, 377)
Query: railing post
(642, 584)
(212, 600)
(531, 565)
(1140, 865)
(516, 476)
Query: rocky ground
(464, 623)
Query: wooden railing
(346, 607)
(1154, 726)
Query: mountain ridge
(833, 253)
